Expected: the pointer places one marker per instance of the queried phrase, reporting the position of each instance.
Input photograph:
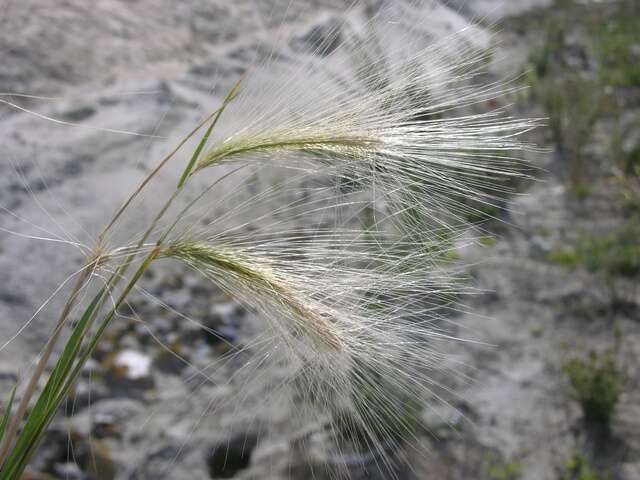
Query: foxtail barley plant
(376, 151)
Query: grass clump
(578, 468)
(584, 71)
(600, 37)
(508, 471)
(566, 257)
(617, 253)
(597, 385)
(616, 48)
(572, 104)
(631, 162)
(498, 469)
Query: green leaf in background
(7, 411)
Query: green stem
(100, 299)
(40, 366)
(57, 389)
(153, 173)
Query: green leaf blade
(216, 116)
(7, 411)
(49, 399)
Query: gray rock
(540, 246)
(228, 457)
(68, 471)
(128, 371)
(73, 453)
(220, 336)
(86, 393)
(228, 313)
(177, 299)
(171, 359)
(321, 39)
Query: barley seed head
(360, 166)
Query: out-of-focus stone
(68, 471)
(170, 359)
(128, 370)
(228, 457)
(321, 39)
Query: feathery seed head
(373, 153)
(314, 144)
(384, 107)
(260, 280)
(380, 147)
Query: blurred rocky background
(552, 394)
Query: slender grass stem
(40, 366)
(348, 294)
(103, 295)
(105, 322)
(112, 283)
(154, 172)
(213, 117)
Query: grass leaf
(50, 397)
(196, 154)
(7, 412)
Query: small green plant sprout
(572, 104)
(577, 468)
(580, 95)
(597, 385)
(365, 160)
(615, 253)
(566, 257)
(497, 469)
(536, 331)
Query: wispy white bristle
(376, 147)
